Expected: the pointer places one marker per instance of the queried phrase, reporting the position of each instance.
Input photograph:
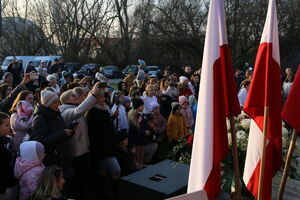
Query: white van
(49, 59)
(25, 60)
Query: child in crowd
(29, 167)
(125, 155)
(186, 112)
(160, 121)
(135, 117)
(149, 136)
(149, 98)
(176, 127)
(50, 184)
(21, 118)
(7, 160)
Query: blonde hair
(64, 97)
(79, 91)
(149, 87)
(46, 187)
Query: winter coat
(7, 162)
(20, 127)
(28, 173)
(48, 128)
(79, 142)
(160, 122)
(102, 134)
(188, 116)
(176, 128)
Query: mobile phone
(34, 76)
(73, 124)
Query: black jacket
(7, 162)
(126, 160)
(48, 128)
(102, 134)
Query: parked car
(153, 71)
(132, 67)
(88, 69)
(73, 66)
(112, 72)
(9, 59)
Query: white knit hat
(50, 76)
(31, 150)
(182, 79)
(47, 98)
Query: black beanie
(137, 103)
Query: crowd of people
(62, 133)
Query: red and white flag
(291, 110)
(265, 90)
(217, 99)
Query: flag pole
(235, 160)
(263, 157)
(287, 165)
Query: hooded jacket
(28, 173)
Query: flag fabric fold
(291, 110)
(217, 99)
(265, 90)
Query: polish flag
(265, 90)
(217, 100)
(291, 109)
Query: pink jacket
(188, 116)
(28, 173)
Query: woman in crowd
(160, 121)
(49, 128)
(183, 87)
(149, 98)
(29, 167)
(50, 184)
(75, 104)
(123, 87)
(148, 137)
(51, 78)
(102, 140)
(195, 83)
(5, 90)
(176, 127)
(21, 118)
(135, 117)
(7, 95)
(186, 112)
(8, 79)
(287, 84)
(168, 88)
(8, 189)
